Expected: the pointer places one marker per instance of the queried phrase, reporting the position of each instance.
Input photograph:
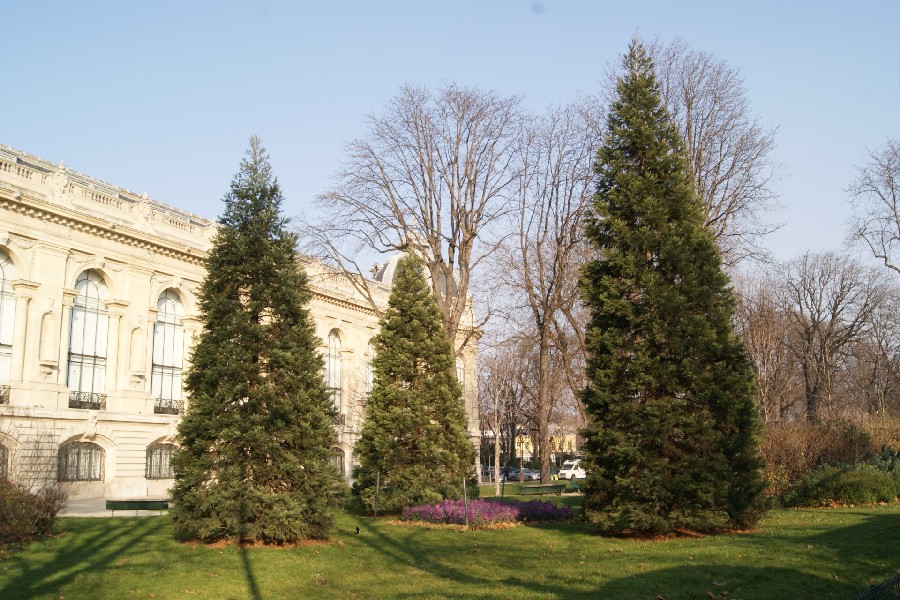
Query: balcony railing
(88, 400)
(4, 394)
(165, 406)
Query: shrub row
(793, 450)
(26, 515)
(486, 512)
(877, 480)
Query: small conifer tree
(672, 436)
(254, 461)
(413, 441)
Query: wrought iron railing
(4, 394)
(89, 400)
(166, 406)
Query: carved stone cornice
(25, 288)
(364, 307)
(33, 207)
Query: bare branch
(876, 192)
(829, 301)
(432, 176)
(728, 151)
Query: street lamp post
(521, 457)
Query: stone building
(98, 312)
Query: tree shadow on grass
(252, 585)
(245, 560)
(415, 546)
(871, 544)
(409, 547)
(716, 581)
(840, 558)
(85, 549)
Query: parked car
(532, 475)
(571, 469)
(509, 474)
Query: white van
(571, 469)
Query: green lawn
(832, 553)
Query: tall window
(337, 459)
(80, 461)
(333, 369)
(460, 371)
(168, 349)
(87, 343)
(7, 316)
(159, 461)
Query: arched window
(87, 343)
(4, 463)
(168, 350)
(337, 458)
(7, 320)
(370, 372)
(80, 461)
(159, 461)
(333, 369)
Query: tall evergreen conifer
(255, 443)
(672, 439)
(414, 439)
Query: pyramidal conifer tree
(255, 442)
(413, 445)
(673, 430)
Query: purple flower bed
(485, 512)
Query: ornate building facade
(98, 314)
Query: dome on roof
(384, 272)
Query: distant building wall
(98, 316)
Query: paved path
(96, 507)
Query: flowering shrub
(535, 510)
(486, 512)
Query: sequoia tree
(413, 441)
(254, 461)
(672, 435)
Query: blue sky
(162, 97)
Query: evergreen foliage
(673, 433)
(414, 440)
(254, 461)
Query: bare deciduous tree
(432, 176)
(570, 328)
(876, 194)
(764, 329)
(873, 377)
(540, 262)
(499, 398)
(829, 300)
(728, 150)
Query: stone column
(65, 321)
(192, 328)
(115, 309)
(24, 291)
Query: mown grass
(823, 553)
